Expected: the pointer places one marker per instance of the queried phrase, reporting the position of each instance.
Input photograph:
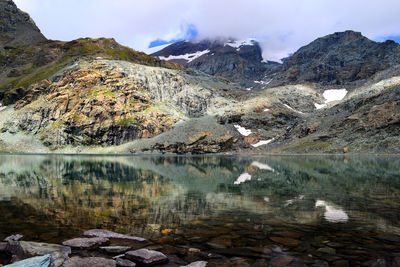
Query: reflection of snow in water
(291, 201)
(262, 166)
(332, 213)
(243, 178)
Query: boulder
(146, 257)
(87, 243)
(115, 249)
(89, 262)
(113, 236)
(22, 250)
(197, 264)
(16, 237)
(125, 263)
(40, 261)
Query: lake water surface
(251, 209)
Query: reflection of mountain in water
(129, 193)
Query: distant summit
(237, 60)
(16, 26)
(341, 58)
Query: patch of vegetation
(127, 121)
(101, 90)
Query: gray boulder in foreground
(146, 256)
(40, 261)
(87, 243)
(89, 262)
(115, 236)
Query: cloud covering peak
(281, 26)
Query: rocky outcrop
(105, 102)
(17, 27)
(339, 59)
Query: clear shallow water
(312, 208)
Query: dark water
(319, 210)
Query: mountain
(238, 61)
(338, 94)
(339, 59)
(17, 27)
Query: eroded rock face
(40, 261)
(109, 103)
(17, 27)
(342, 58)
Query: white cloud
(282, 26)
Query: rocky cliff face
(17, 27)
(238, 61)
(103, 102)
(340, 59)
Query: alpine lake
(239, 210)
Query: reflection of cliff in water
(130, 193)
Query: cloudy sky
(281, 26)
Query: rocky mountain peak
(343, 58)
(16, 26)
(240, 61)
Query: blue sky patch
(191, 32)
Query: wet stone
(340, 263)
(86, 243)
(115, 249)
(197, 264)
(289, 242)
(376, 263)
(17, 237)
(146, 257)
(23, 250)
(281, 261)
(288, 234)
(3, 246)
(242, 252)
(327, 250)
(40, 261)
(89, 262)
(125, 263)
(112, 235)
(335, 245)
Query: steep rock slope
(238, 61)
(106, 102)
(339, 59)
(17, 27)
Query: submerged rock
(89, 262)
(125, 263)
(197, 264)
(146, 256)
(87, 243)
(40, 261)
(117, 237)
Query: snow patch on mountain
(188, 57)
(330, 96)
(239, 43)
